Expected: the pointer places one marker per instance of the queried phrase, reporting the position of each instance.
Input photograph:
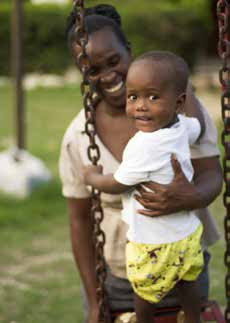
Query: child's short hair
(177, 68)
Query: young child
(162, 251)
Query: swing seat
(210, 313)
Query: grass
(38, 279)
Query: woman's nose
(107, 77)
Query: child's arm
(193, 109)
(106, 183)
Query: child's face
(151, 101)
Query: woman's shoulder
(76, 126)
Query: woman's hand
(176, 196)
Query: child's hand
(90, 171)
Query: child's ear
(180, 103)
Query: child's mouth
(143, 118)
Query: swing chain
(97, 215)
(223, 14)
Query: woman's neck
(113, 128)
(111, 110)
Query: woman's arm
(193, 108)
(208, 180)
(83, 249)
(180, 194)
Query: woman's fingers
(141, 200)
(147, 195)
(178, 173)
(149, 213)
(153, 186)
(152, 209)
(151, 199)
(149, 204)
(159, 199)
(175, 164)
(141, 189)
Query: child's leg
(144, 310)
(190, 300)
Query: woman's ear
(180, 103)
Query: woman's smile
(115, 88)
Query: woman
(110, 56)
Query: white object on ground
(19, 177)
(35, 80)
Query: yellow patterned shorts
(154, 269)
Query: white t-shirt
(147, 157)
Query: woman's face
(110, 61)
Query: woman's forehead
(104, 41)
(103, 37)
(102, 44)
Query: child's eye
(153, 97)
(132, 97)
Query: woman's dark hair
(97, 18)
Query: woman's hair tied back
(96, 18)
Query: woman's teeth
(115, 88)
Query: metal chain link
(223, 14)
(97, 214)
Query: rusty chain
(97, 214)
(223, 14)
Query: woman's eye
(132, 97)
(114, 61)
(93, 72)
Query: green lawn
(38, 280)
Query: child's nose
(141, 106)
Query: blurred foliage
(182, 26)
(44, 42)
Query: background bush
(177, 25)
